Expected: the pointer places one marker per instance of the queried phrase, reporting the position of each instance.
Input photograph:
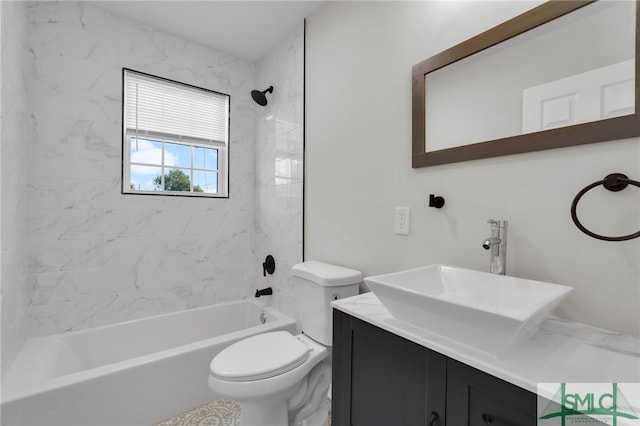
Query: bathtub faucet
(264, 292)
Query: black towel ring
(614, 182)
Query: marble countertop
(560, 351)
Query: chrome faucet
(497, 243)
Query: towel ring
(614, 182)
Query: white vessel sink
(487, 311)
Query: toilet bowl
(280, 379)
(268, 374)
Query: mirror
(558, 75)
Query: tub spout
(264, 292)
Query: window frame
(223, 149)
(166, 168)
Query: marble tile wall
(97, 256)
(279, 165)
(15, 132)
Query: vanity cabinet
(381, 379)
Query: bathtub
(133, 373)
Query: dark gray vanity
(381, 379)
(389, 373)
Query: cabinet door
(380, 379)
(475, 398)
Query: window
(175, 138)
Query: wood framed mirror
(548, 78)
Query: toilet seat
(260, 357)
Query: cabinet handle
(433, 418)
(487, 419)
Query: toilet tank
(316, 285)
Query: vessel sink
(486, 311)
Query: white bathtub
(133, 373)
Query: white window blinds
(157, 107)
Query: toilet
(280, 379)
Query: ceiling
(244, 29)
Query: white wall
(15, 131)
(279, 163)
(98, 256)
(358, 168)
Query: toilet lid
(260, 357)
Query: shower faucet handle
(268, 266)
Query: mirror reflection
(575, 69)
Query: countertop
(560, 351)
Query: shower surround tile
(97, 256)
(16, 129)
(279, 165)
(76, 252)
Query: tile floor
(220, 412)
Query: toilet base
(312, 409)
(264, 414)
(319, 418)
(276, 415)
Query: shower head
(260, 97)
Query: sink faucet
(497, 243)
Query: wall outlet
(402, 220)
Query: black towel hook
(614, 182)
(436, 201)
